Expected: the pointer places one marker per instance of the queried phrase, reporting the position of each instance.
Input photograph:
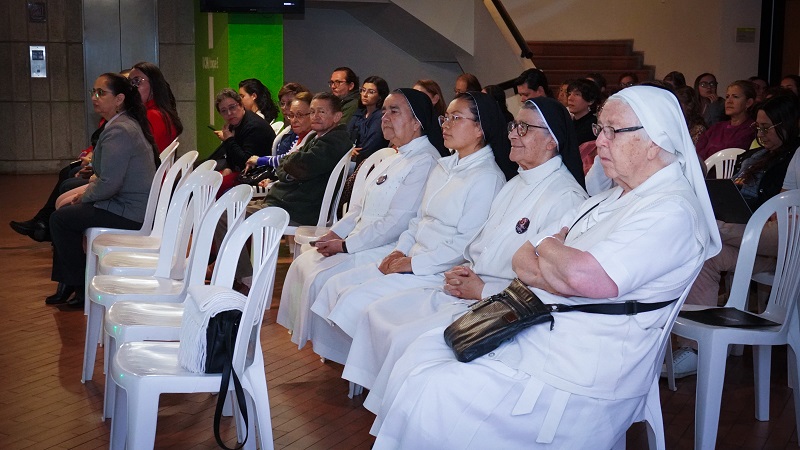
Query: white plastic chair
(131, 321)
(305, 234)
(144, 370)
(723, 162)
(333, 191)
(199, 190)
(713, 341)
(277, 126)
(168, 175)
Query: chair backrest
(723, 162)
(167, 160)
(785, 287)
(333, 191)
(277, 125)
(176, 173)
(234, 202)
(277, 140)
(264, 228)
(361, 177)
(207, 165)
(186, 210)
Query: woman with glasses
(455, 204)
(370, 228)
(738, 132)
(125, 160)
(398, 308)
(760, 174)
(365, 124)
(712, 105)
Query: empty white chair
(144, 370)
(131, 321)
(199, 190)
(305, 234)
(723, 162)
(713, 341)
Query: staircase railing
(525, 51)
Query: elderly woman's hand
(388, 260)
(330, 247)
(462, 282)
(525, 264)
(251, 162)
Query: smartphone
(211, 127)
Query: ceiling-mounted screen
(254, 6)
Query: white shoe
(684, 363)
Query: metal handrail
(525, 51)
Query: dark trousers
(67, 226)
(64, 175)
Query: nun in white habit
(581, 383)
(549, 185)
(369, 230)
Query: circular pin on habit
(522, 225)
(381, 179)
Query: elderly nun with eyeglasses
(582, 382)
(385, 315)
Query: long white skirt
(344, 299)
(434, 401)
(387, 328)
(305, 278)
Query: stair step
(598, 63)
(581, 48)
(556, 77)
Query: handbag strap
(227, 373)
(629, 308)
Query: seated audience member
(434, 92)
(791, 82)
(675, 80)
(760, 175)
(303, 174)
(600, 81)
(243, 135)
(713, 106)
(690, 105)
(257, 98)
(393, 191)
(737, 132)
(530, 84)
(508, 167)
(454, 207)
(298, 133)
(125, 159)
(761, 85)
(563, 91)
(400, 307)
(286, 95)
(627, 79)
(581, 383)
(467, 82)
(365, 125)
(583, 98)
(344, 84)
(499, 95)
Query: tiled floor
(44, 405)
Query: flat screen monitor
(254, 6)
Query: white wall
(686, 35)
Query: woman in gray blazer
(125, 159)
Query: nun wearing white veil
(581, 383)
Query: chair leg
(762, 359)
(119, 426)
(355, 389)
(142, 418)
(109, 395)
(654, 419)
(91, 271)
(792, 368)
(795, 369)
(669, 368)
(93, 324)
(257, 389)
(710, 376)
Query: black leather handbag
(256, 175)
(493, 320)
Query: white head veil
(662, 118)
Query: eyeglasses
(708, 84)
(136, 81)
(292, 116)
(336, 83)
(452, 118)
(610, 132)
(764, 130)
(231, 110)
(97, 93)
(368, 91)
(522, 127)
(628, 84)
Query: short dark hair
(335, 102)
(473, 85)
(589, 90)
(350, 76)
(598, 79)
(227, 93)
(291, 88)
(533, 79)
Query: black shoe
(61, 296)
(76, 301)
(24, 228)
(36, 229)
